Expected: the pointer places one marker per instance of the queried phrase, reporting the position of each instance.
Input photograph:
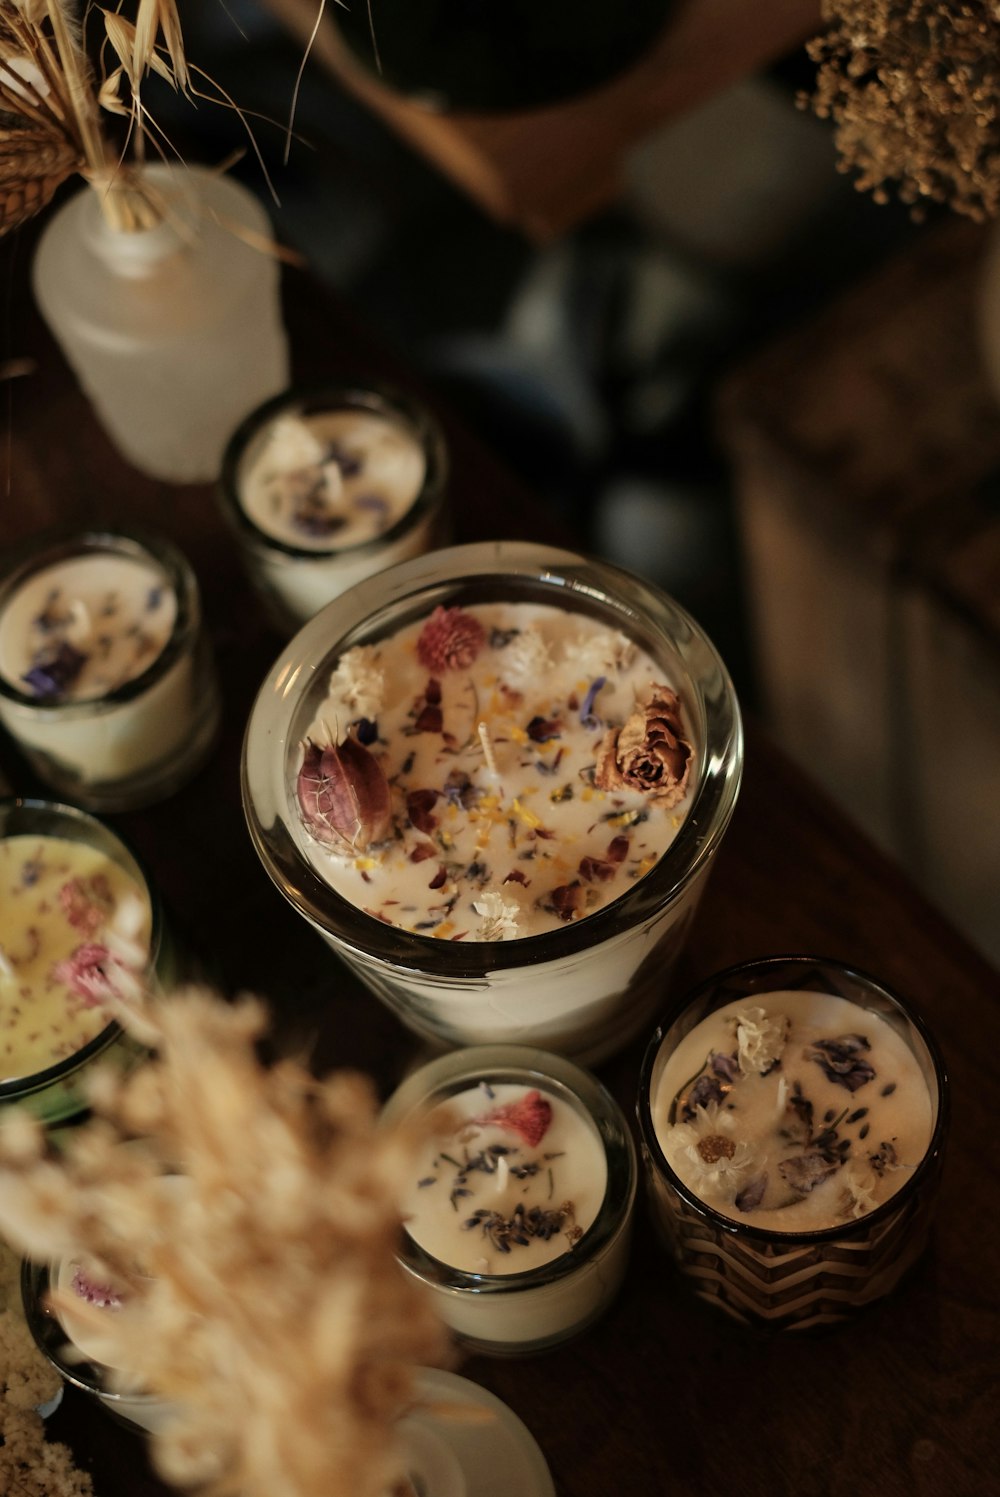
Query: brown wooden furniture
(662, 1396)
(545, 170)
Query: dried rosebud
(344, 795)
(450, 640)
(648, 752)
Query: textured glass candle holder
(798, 1280)
(530, 1310)
(56, 1093)
(586, 988)
(141, 740)
(296, 579)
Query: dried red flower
(450, 640)
(344, 795)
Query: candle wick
(488, 753)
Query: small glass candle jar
(77, 916)
(555, 753)
(519, 1217)
(72, 1347)
(325, 486)
(106, 679)
(793, 1117)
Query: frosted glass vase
(175, 331)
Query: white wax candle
(793, 1111)
(326, 497)
(73, 634)
(330, 479)
(518, 1215)
(74, 928)
(498, 729)
(77, 630)
(515, 1184)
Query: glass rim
(323, 396)
(438, 1078)
(21, 1088)
(767, 1236)
(554, 576)
(66, 544)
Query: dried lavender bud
(344, 795)
(50, 677)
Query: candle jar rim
(92, 832)
(386, 601)
(442, 1077)
(761, 967)
(324, 397)
(64, 544)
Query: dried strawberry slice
(529, 1117)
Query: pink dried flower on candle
(344, 795)
(649, 752)
(89, 973)
(450, 640)
(529, 1117)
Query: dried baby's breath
(264, 1297)
(913, 90)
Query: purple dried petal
(366, 730)
(51, 676)
(349, 464)
(727, 1066)
(805, 1171)
(707, 1088)
(750, 1197)
(344, 795)
(373, 502)
(587, 715)
(841, 1062)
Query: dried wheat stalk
(51, 102)
(265, 1300)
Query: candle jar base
(797, 1281)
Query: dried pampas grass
(265, 1300)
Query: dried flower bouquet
(265, 1301)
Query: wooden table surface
(664, 1395)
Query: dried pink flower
(450, 640)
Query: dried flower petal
(529, 1117)
(648, 752)
(450, 640)
(344, 795)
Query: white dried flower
(527, 657)
(761, 1039)
(357, 688)
(600, 653)
(857, 1197)
(705, 1153)
(291, 446)
(499, 917)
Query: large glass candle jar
(519, 1216)
(79, 924)
(495, 779)
(325, 486)
(793, 1119)
(106, 680)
